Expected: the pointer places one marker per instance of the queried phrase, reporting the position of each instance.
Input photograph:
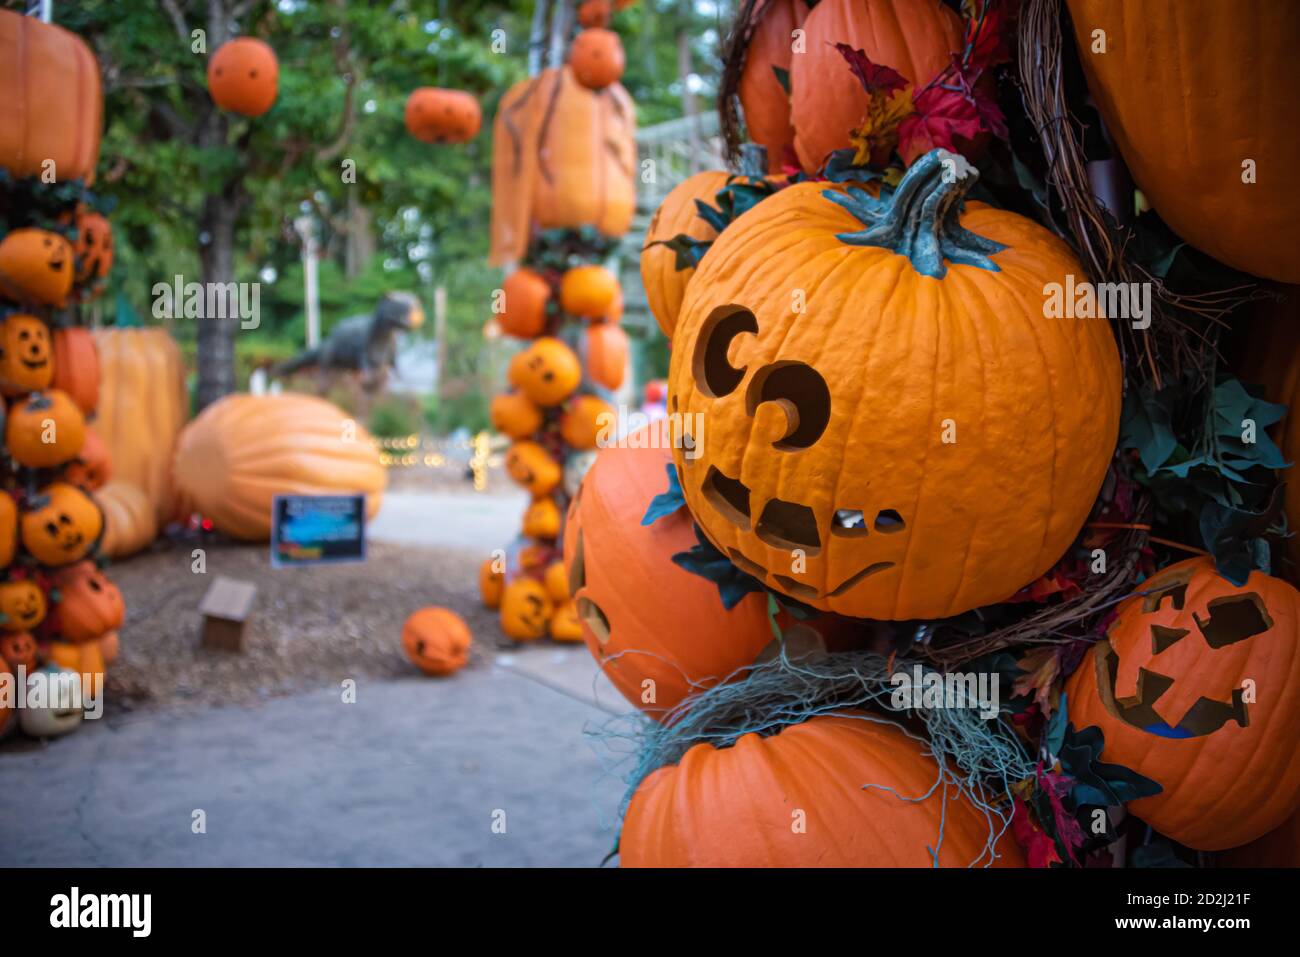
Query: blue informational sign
(318, 529)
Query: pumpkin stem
(919, 219)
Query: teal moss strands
(919, 219)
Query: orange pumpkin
(596, 58)
(589, 291)
(76, 366)
(8, 529)
(60, 525)
(526, 609)
(44, 430)
(657, 630)
(764, 99)
(89, 606)
(52, 107)
(491, 583)
(664, 282)
(442, 116)
(129, 520)
(1194, 688)
(827, 102)
(1277, 848)
(586, 418)
(556, 581)
(437, 640)
(244, 450)
(88, 659)
(17, 648)
(22, 608)
(525, 295)
(513, 415)
(743, 805)
(36, 266)
(594, 13)
(1168, 70)
(542, 519)
(825, 470)
(26, 359)
(91, 469)
(546, 372)
(565, 624)
(607, 354)
(94, 246)
(531, 466)
(244, 76)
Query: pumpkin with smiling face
(26, 360)
(1194, 688)
(526, 609)
(531, 466)
(61, 524)
(18, 648)
(45, 430)
(547, 372)
(244, 76)
(891, 428)
(437, 640)
(93, 249)
(36, 266)
(22, 605)
(435, 115)
(92, 468)
(89, 605)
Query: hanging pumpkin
(22, 608)
(657, 630)
(589, 292)
(594, 13)
(8, 529)
(93, 250)
(17, 648)
(89, 606)
(491, 582)
(91, 469)
(36, 266)
(542, 519)
(741, 806)
(663, 274)
(762, 96)
(866, 434)
(26, 359)
(586, 418)
(60, 525)
(596, 58)
(442, 116)
(525, 295)
(526, 609)
(244, 450)
(44, 430)
(514, 416)
(914, 37)
(606, 354)
(1197, 95)
(142, 406)
(437, 640)
(1193, 687)
(565, 624)
(129, 520)
(563, 157)
(51, 113)
(76, 366)
(531, 466)
(244, 76)
(546, 372)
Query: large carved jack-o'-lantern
(891, 427)
(1195, 688)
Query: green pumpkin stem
(919, 219)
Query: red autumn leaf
(1040, 849)
(872, 76)
(988, 38)
(1057, 786)
(941, 116)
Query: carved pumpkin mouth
(33, 363)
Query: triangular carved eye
(1162, 637)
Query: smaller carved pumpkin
(91, 469)
(36, 266)
(22, 605)
(526, 609)
(565, 624)
(89, 606)
(530, 466)
(436, 115)
(437, 640)
(8, 529)
(86, 659)
(523, 308)
(244, 76)
(607, 352)
(26, 360)
(514, 415)
(542, 519)
(44, 430)
(491, 582)
(589, 291)
(547, 371)
(596, 58)
(18, 648)
(61, 526)
(584, 420)
(94, 246)
(76, 366)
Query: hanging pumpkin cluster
(58, 611)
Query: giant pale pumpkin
(51, 106)
(644, 618)
(1197, 687)
(142, 406)
(893, 429)
(1198, 95)
(764, 99)
(665, 283)
(563, 156)
(244, 450)
(827, 102)
(800, 799)
(130, 522)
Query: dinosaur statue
(363, 344)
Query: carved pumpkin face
(891, 429)
(62, 526)
(18, 648)
(490, 583)
(90, 606)
(526, 609)
(547, 371)
(530, 465)
(244, 76)
(91, 469)
(437, 640)
(44, 430)
(36, 266)
(542, 519)
(62, 714)
(94, 247)
(514, 415)
(442, 116)
(1194, 687)
(22, 605)
(25, 357)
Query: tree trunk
(216, 338)
(359, 241)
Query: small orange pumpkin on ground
(589, 292)
(596, 58)
(547, 371)
(491, 583)
(437, 640)
(435, 115)
(244, 76)
(62, 524)
(86, 658)
(22, 605)
(76, 366)
(89, 606)
(26, 358)
(526, 609)
(36, 266)
(525, 295)
(514, 415)
(531, 466)
(585, 418)
(44, 430)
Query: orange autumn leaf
(1043, 667)
(877, 137)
